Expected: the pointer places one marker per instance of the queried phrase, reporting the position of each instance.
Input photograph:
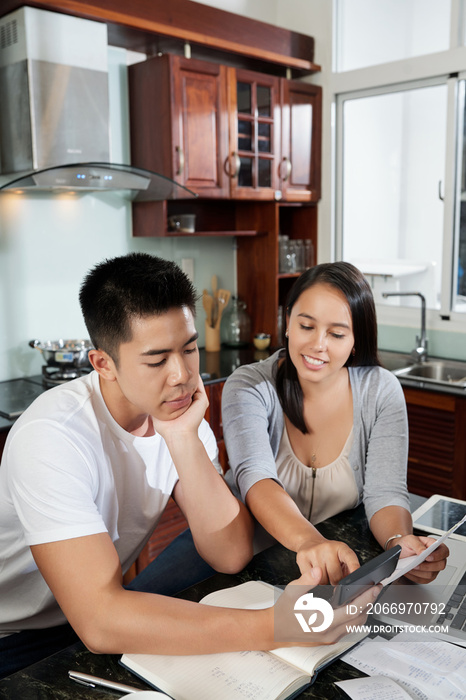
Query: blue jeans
(177, 567)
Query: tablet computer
(369, 574)
(438, 514)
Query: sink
(392, 360)
(436, 371)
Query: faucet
(419, 354)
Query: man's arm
(85, 577)
(221, 526)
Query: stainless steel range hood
(136, 184)
(54, 117)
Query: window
(399, 91)
(459, 254)
(393, 161)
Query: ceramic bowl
(262, 341)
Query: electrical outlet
(187, 265)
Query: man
(87, 472)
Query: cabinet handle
(237, 163)
(286, 161)
(233, 173)
(180, 154)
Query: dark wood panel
(418, 484)
(3, 437)
(257, 266)
(459, 468)
(172, 523)
(437, 443)
(432, 399)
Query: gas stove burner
(52, 376)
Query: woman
(320, 426)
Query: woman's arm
(393, 520)
(385, 491)
(252, 426)
(278, 514)
(383, 438)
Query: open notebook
(257, 675)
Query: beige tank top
(318, 493)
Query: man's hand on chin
(187, 420)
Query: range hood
(54, 119)
(136, 184)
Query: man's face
(158, 369)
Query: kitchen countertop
(217, 366)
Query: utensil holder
(212, 338)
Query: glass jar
(236, 324)
(309, 260)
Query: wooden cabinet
(179, 121)
(226, 132)
(437, 443)
(254, 109)
(275, 137)
(301, 128)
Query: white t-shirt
(69, 470)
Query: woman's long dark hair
(352, 283)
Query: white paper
(373, 688)
(407, 563)
(426, 670)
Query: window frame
(445, 67)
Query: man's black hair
(131, 286)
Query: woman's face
(320, 333)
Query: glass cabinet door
(255, 135)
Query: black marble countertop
(48, 679)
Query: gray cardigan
(253, 426)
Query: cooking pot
(60, 352)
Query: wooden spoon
(207, 303)
(215, 303)
(223, 297)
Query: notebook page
(311, 658)
(254, 675)
(258, 594)
(415, 670)
(251, 595)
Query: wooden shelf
(151, 26)
(218, 234)
(289, 275)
